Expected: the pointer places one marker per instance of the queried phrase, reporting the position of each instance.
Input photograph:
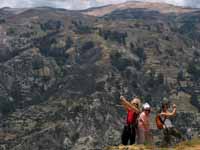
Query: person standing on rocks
(144, 135)
(168, 128)
(129, 131)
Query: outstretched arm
(128, 105)
(124, 103)
(169, 114)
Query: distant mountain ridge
(160, 7)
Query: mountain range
(62, 72)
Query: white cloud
(187, 3)
(83, 4)
(14, 3)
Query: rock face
(62, 72)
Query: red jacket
(131, 117)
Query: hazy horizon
(84, 4)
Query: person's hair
(159, 111)
(136, 101)
(165, 104)
(136, 97)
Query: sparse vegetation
(37, 62)
(69, 43)
(15, 91)
(194, 69)
(180, 76)
(117, 36)
(12, 31)
(2, 20)
(119, 62)
(87, 45)
(139, 51)
(195, 100)
(52, 25)
(82, 28)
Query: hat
(165, 101)
(146, 106)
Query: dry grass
(187, 145)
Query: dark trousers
(129, 133)
(168, 133)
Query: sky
(83, 4)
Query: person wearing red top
(132, 108)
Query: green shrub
(119, 62)
(140, 53)
(69, 43)
(11, 31)
(37, 62)
(15, 91)
(117, 36)
(194, 69)
(180, 76)
(52, 25)
(2, 20)
(195, 100)
(86, 46)
(6, 106)
(187, 27)
(81, 27)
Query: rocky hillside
(62, 72)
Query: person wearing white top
(169, 130)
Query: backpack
(159, 122)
